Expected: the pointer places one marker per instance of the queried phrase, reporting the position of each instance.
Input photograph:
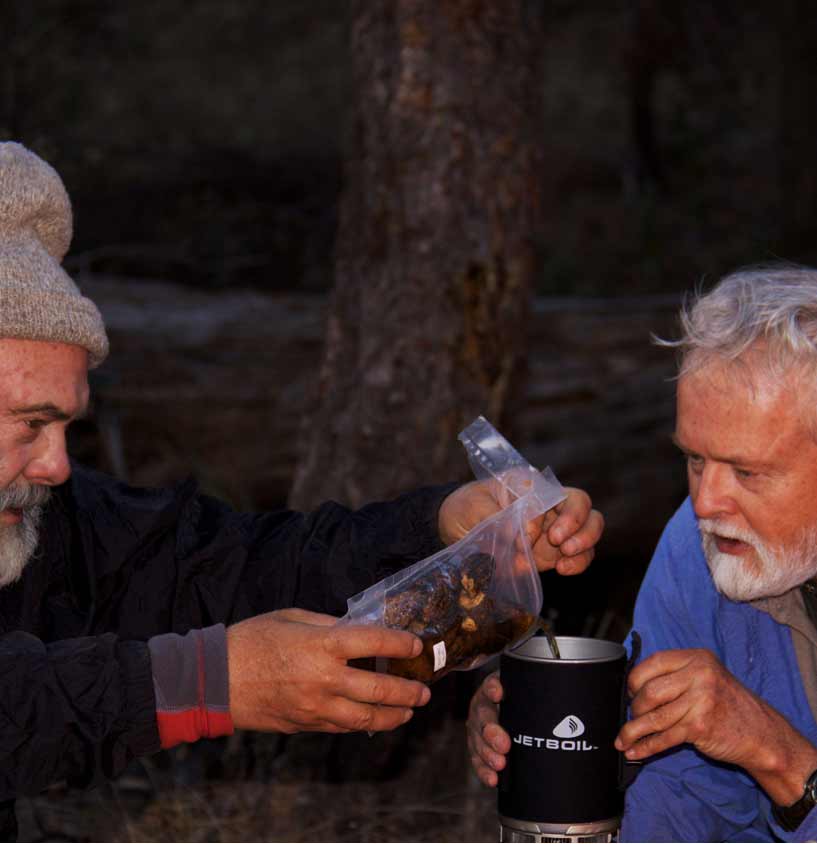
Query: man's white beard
(766, 573)
(18, 542)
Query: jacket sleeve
(120, 565)
(76, 710)
(176, 560)
(318, 560)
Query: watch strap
(790, 817)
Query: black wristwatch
(790, 817)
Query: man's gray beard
(780, 568)
(18, 542)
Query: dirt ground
(436, 798)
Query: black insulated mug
(562, 780)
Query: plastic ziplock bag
(480, 595)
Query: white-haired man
(725, 696)
(114, 600)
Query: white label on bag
(439, 656)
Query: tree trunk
(435, 253)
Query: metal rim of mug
(536, 827)
(607, 651)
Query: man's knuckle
(379, 689)
(646, 745)
(656, 719)
(380, 638)
(306, 710)
(363, 720)
(708, 683)
(571, 521)
(332, 640)
(649, 694)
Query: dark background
(203, 143)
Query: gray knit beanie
(38, 301)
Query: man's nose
(49, 464)
(711, 492)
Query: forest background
(231, 168)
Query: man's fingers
(534, 528)
(487, 776)
(576, 538)
(573, 553)
(353, 716)
(492, 687)
(488, 757)
(376, 687)
(354, 641)
(571, 519)
(658, 720)
(484, 757)
(572, 513)
(389, 718)
(575, 565)
(657, 743)
(488, 743)
(497, 740)
(483, 725)
(658, 692)
(658, 664)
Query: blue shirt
(682, 795)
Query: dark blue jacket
(117, 565)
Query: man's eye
(695, 463)
(744, 474)
(35, 424)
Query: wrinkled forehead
(730, 386)
(38, 372)
(757, 369)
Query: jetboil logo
(568, 732)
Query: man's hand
(563, 538)
(488, 743)
(288, 673)
(687, 696)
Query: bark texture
(435, 249)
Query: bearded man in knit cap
(131, 620)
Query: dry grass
(436, 798)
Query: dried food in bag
(482, 594)
(457, 619)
